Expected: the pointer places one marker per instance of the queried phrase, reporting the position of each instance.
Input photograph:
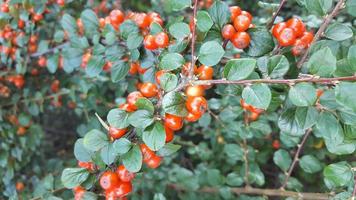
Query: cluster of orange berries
(18, 80)
(253, 113)
(4, 91)
(293, 33)
(21, 130)
(236, 32)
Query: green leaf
(351, 57)
(174, 103)
(122, 146)
(90, 21)
(141, 118)
(118, 118)
(127, 28)
(179, 30)
(261, 42)
(277, 66)
(310, 164)
(110, 38)
(52, 63)
(303, 94)
(337, 175)
(154, 136)
(234, 152)
(73, 177)
(95, 66)
(220, 13)
(319, 7)
(177, 5)
(134, 41)
(233, 179)
(168, 149)
(145, 104)
(204, 21)
(257, 95)
(346, 95)
(239, 69)
(338, 32)
(168, 82)
(94, 140)
(282, 159)
(68, 23)
(322, 62)
(119, 71)
(108, 154)
(350, 7)
(171, 61)
(210, 53)
(132, 160)
(80, 152)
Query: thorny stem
(322, 29)
(275, 14)
(296, 158)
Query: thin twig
(277, 81)
(296, 158)
(275, 14)
(38, 54)
(247, 167)
(353, 197)
(191, 70)
(321, 30)
(258, 191)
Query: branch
(257, 191)
(296, 158)
(275, 14)
(35, 55)
(353, 197)
(191, 70)
(277, 81)
(321, 30)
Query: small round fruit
(109, 180)
(195, 91)
(154, 162)
(133, 97)
(116, 133)
(124, 174)
(297, 25)
(228, 31)
(162, 40)
(247, 14)
(55, 86)
(169, 134)
(123, 189)
(299, 47)
(21, 131)
(287, 37)
(192, 117)
(127, 107)
(116, 17)
(319, 93)
(242, 23)
(276, 144)
(133, 68)
(205, 72)
(20, 186)
(278, 28)
(235, 11)
(307, 37)
(186, 68)
(196, 105)
(147, 153)
(150, 43)
(159, 75)
(173, 122)
(254, 116)
(149, 90)
(241, 40)
(142, 20)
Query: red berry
(287, 37)
(173, 122)
(242, 23)
(192, 117)
(133, 97)
(235, 11)
(299, 47)
(196, 105)
(205, 72)
(149, 90)
(241, 40)
(159, 75)
(109, 180)
(154, 162)
(124, 174)
(278, 28)
(150, 43)
(297, 25)
(228, 31)
(276, 144)
(162, 40)
(116, 133)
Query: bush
(177, 99)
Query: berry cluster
(252, 113)
(21, 130)
(236, 32)
(293, 33)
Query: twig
(191, 70)
(35, 55)
(277, 81)
(247, 168)
(296, 158)
(257, 191)
(275, 14)
(321, 30)
(353, 197)
(53, 192)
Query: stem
(275, 14)
(35, 55)
(53, 192)
(354, 191)
(257, 191)
(321, 30)
(191, 70)
(247, 170)
(296, 158)
(313, 79)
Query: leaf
(261, 42)
(350, 7)
(127, 28)
(310, 164)
(322, 62)
(204, 21)
(338, 32)
(118, 118)
(154, 136)
(303, 94)
(177, 5)
(90, 21)
(145, 104)
(168, 149)
(141, 119)
(277, 66)
(337, 175)
(174, 103)
(108, 154)
(234, 152)
(319, 7)
(168, 82)
(282, 159)
(239, 69)
(179, 30)
(220, 13)
(351, 57)
(345, 95)
(171, 61)
(257, 95)
(132, 160)
(95, 66)
(210, 53)
(68, 23)
(52, 63)
(134, 41)
(80, 152)
(122, 146)
(119, 71)
(233, 179)
(94, 140)
(73, 177)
